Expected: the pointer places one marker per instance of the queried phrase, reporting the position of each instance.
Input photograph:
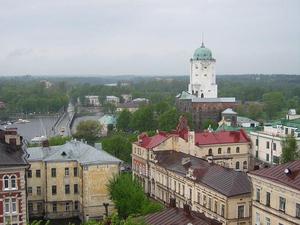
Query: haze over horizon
(148, 37)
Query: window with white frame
(268, 221)
(257, 219)
(241, 211)
(13, 182)
(6, 182)
(6, 206)
(10, 205)
(282, 202)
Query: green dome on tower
(202, 53)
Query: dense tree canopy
(129, 198)
(119, 146)
(124, 120)
(88, 130)
(290, 149)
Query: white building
(267, 145)
(113, 99)
(202, 74)
(93, 100)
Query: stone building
(276, 195)
(267, 144)
(70, 181)
(190, 167)
(202, 100)
(13, 165)
(217, 192)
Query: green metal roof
(202, 53)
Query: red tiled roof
(177, 216)
(150, 142)
(221, 137)
(277, 174)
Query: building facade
(70, 181)
(202, 74)
(175, 165)
(93, 100)
(201, 100)
(13, 165)
(206, 187)
(267, 144)
(276, 195)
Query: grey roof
(72, 151)
(241, 119)
(10, 156)
(229, 111)
(224, 180)
(213, 100)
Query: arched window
(237, 149)
(245, 165)
(228, 150)
(202, 95)
(13, 182)
(237, 165)
(210, 151)
(219, 150)
(6, 182)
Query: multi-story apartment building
(276, 195)
(267, 144)
(70, 181)
(227, 148)
(218, 192)
(184, 165)
(13, 165)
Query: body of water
(41, 126)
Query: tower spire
(202, 45)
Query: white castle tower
(202, 74)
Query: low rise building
(70, 181)
(107, 122)
(93, 100)
(13, 165)
(267, 144)
(126, 97)
(130, 106)
(276, 195)
(113, 99)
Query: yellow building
(184, 165)
(69, 181)
(276, 195)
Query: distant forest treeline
(269, 95)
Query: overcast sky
(154, 37)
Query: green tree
(143, 119)
(168, 120)
(124, 120)
(290, 150)
(58, 140)
(129, 198)
(88, 130)
(273, 103)
(109, 108)
(210, 123)
(118, 146)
